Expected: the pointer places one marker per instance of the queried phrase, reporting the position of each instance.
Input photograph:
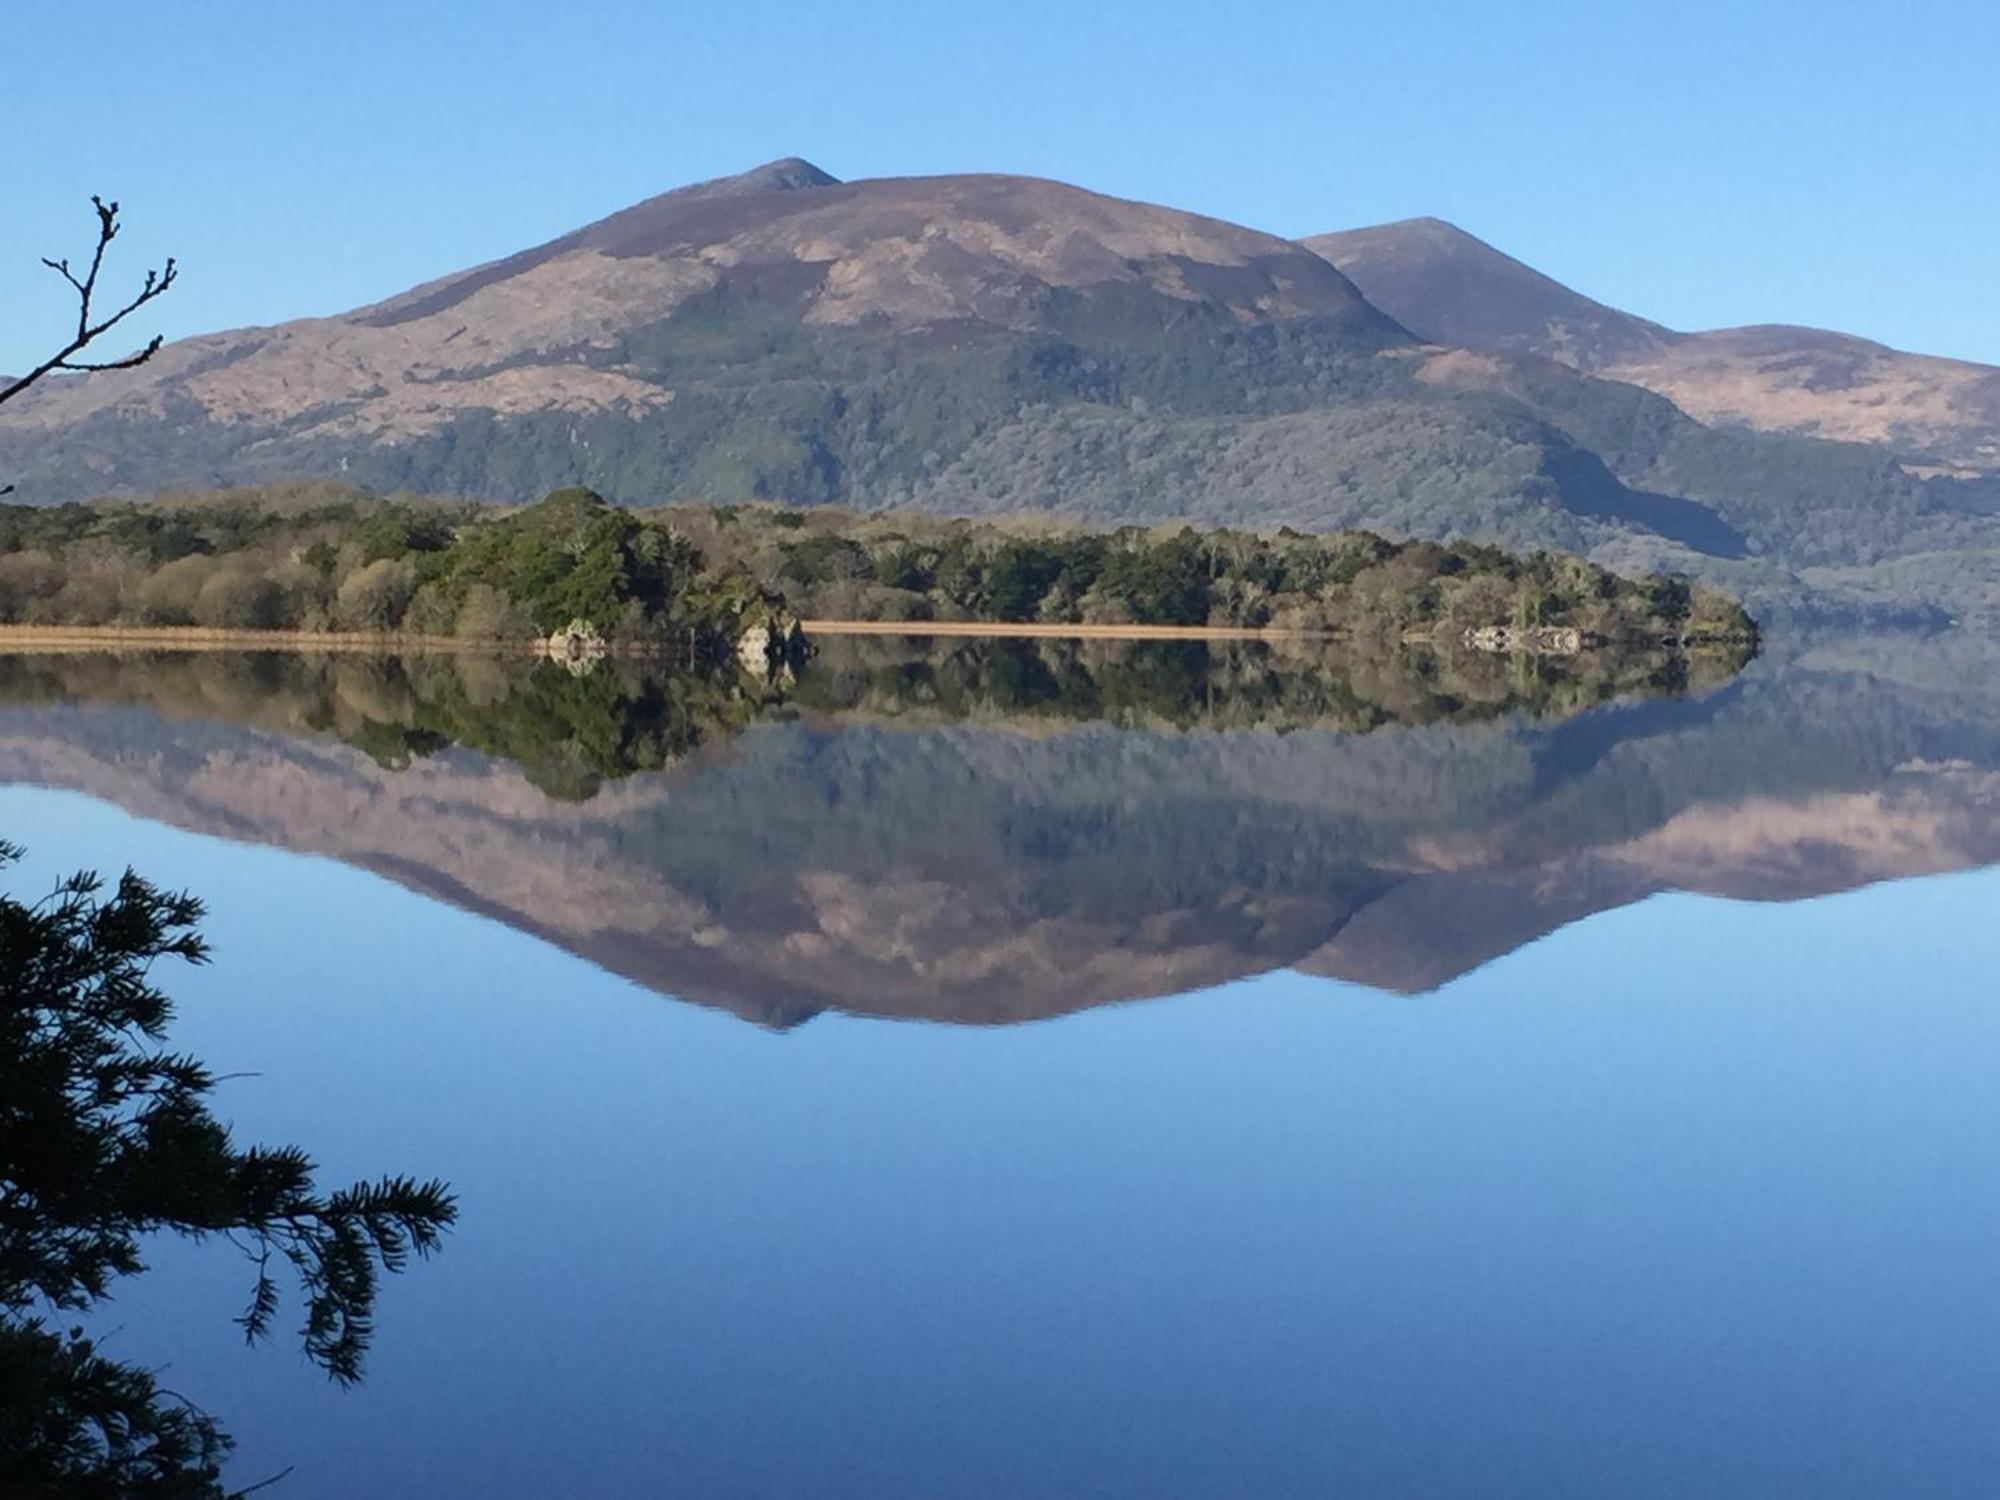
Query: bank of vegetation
(317, 558)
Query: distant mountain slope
(1449, 286)
(1459, 290)
(1942, 412)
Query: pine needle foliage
(107, 1138)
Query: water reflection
(992, 834)
(568, 731)
(571, 730)
(1627, 1216)
(1197, 685)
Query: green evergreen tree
(106, 1137)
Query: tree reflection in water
(572, 732)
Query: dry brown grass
(43, 638)
(16, 638)
(1058, 631)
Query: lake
(1195, 1077)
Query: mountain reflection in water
(997, 832)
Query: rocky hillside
(1447, 285)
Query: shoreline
(17, 639)
(29, 639)
(1036, 630)
(25, 639)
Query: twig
(264, 1483)
(88, 332)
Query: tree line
(316, 557)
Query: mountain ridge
(1449, 285)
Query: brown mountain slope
(1934, 411)
(1454, 288)
(545, 329)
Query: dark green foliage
(31, 527)
(571, 557)
(73, 1423)
(823, 559)
(910, 567)
(155, 539)
(396, 531)
(701, 575)
(106, 1138)
(1022, 574)
(1165, 584)
(906, 567)
(1669, 598)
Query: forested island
(320, 559)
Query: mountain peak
(1429, 224)
(640, 225)
(786, 174)
(1452, 287)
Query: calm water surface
(1598, 1188)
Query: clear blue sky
(1704, 164)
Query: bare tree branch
(88, 332)
(128, 362)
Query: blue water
(1691, 1198)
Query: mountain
(1014, 252)
(576, 325)
(1456, 289)
(987, 345)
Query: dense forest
(321, 558)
